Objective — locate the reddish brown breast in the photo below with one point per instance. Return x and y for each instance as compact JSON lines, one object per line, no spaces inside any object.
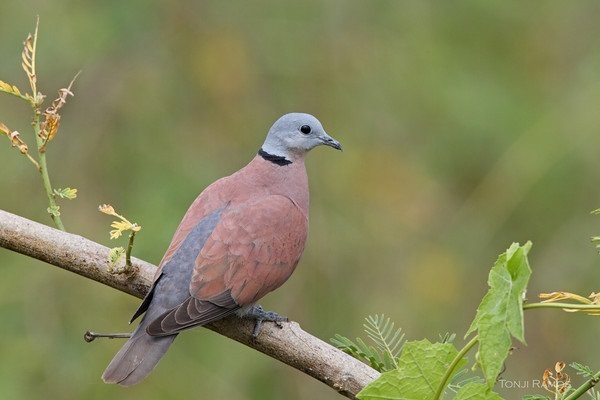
{"x":259,"y":179}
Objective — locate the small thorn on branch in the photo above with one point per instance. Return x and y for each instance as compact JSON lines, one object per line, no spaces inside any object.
{"x":91,"y":336}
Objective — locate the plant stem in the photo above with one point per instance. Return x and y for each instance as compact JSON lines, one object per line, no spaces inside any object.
{"x":36,"y":103}
{"x":585,"y":387}
{"x":566,"y":306}
{"x":43,"y":168}
{"x":129,"y":248}
{"x":448,"y":374}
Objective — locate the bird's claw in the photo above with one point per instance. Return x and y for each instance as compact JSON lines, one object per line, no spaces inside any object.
{"x":259,"y":315}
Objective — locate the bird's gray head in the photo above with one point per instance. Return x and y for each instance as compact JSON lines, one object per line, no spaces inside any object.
{"x":293,"y":135}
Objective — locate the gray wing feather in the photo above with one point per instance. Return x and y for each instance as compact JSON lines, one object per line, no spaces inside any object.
{"x":193,"y":312}
{"x":142,"y":351}
{"x":174,"y":281}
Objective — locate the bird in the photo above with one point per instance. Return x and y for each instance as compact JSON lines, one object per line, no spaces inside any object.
{"x":240,"y":239}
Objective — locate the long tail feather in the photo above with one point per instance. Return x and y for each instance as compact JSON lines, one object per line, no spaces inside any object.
{"x":137,"y":358}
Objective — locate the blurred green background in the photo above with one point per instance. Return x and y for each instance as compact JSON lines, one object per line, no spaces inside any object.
{"x":466,"y":126}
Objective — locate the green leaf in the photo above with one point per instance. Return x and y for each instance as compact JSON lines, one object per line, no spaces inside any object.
{"x":388,"y":343}
{"x":476,"y":391}
{"x":54,"y":210}
{"x":360,"y":352}
{"x":457,"y":381}
{"x":115,"y":255}
{"x":66,"y":193}
{"x":388,"y":340}
{"x":582,"y":369}
{"x":500,"y":313}
{"x":447,"y":337}
{"x":420,"y":370}
{"x":362,"y":346}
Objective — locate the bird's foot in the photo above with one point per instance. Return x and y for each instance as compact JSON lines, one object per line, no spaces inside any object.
{"x":259,"y":316}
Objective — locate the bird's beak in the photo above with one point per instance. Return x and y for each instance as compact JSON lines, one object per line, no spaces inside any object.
{"x":329,"y":141}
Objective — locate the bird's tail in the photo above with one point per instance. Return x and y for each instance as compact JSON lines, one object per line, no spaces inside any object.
{"x":137,"y":358}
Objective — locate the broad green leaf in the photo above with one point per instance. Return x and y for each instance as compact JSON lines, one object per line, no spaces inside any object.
{"x":500,"y":313}
{"x":421,"y":367}
{"x":476,"y":391}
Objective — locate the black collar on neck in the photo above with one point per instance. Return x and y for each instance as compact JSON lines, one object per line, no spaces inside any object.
{"x":279,"y":160}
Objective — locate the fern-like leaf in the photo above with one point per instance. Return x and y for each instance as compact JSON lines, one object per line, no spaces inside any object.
{"x":388,"y":344}
{"x":360,"y":351}
{"x":458,"y":381}
{"x":447,"y":337}
{"x":581,"y":369}
{"x":388,"y":340}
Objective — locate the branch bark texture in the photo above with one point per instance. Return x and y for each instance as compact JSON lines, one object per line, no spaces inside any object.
{"x":290,"y":344}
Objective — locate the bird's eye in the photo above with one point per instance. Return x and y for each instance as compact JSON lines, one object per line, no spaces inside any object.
{"x":305,"y":129}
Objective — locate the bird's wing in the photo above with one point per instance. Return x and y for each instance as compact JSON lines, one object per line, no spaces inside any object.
{"x":205,"y":204}
{"x":252,"y":250}
{"x":179,"y":260}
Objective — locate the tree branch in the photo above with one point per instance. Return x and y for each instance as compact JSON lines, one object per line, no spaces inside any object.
{"x":290,"y":344}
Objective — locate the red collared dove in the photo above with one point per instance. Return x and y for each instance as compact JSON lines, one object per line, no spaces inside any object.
{"x":239,"y":240}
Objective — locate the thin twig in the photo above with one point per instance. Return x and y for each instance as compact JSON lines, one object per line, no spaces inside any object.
{"x":590,"y":308}
{"x":129,"y":249}
{"x":91,"y":336}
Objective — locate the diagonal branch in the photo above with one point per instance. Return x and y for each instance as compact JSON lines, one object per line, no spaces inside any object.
{"x":290,"y":345}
